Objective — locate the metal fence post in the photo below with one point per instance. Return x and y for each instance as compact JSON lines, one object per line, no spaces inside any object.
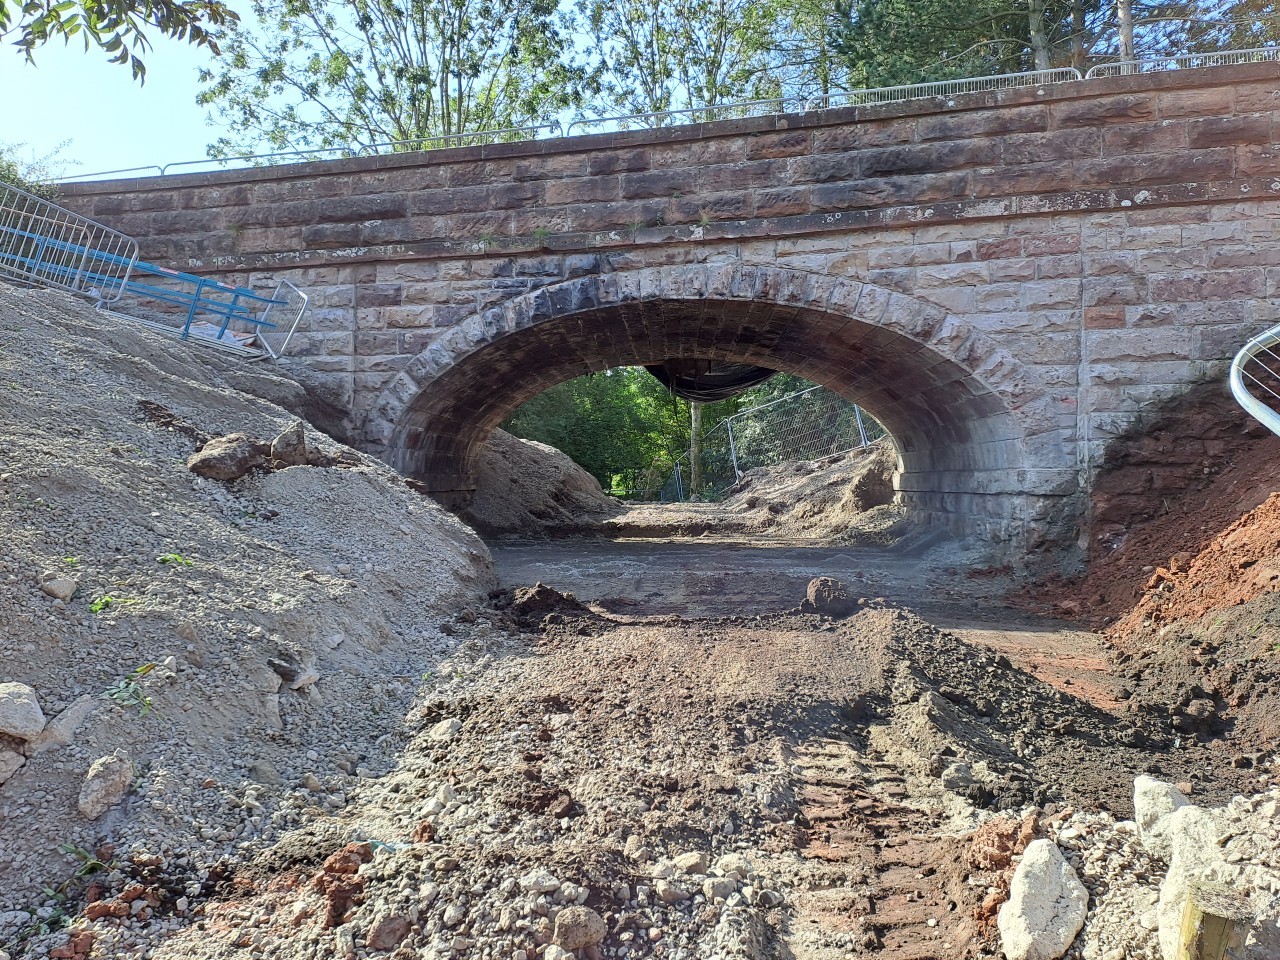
{"x":862,"y":429}
{"x":733,"y":449}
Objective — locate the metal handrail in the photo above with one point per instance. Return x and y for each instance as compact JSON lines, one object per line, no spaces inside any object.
{"x":642,"y":120}
{"x":866,"y":97}
{"x":1186,"y":61}
{"x":358,"y":150}
{"x":944,"y":88}
{"x":1261,"y":344}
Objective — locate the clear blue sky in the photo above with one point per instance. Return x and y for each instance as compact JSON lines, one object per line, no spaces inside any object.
{"x":110,"y":120}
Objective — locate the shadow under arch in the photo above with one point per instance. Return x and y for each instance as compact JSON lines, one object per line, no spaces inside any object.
{"x":973,"y":458}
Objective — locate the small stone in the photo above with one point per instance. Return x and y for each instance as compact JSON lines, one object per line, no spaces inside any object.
{"x":445,"y":730}
{"x":719,"y":888}
{"x":265,"y":773}
{"x":554,"y":952}
{"x":387,"y":931}
{"x":105,"y":785}
{"x":578,"y":927}
{"x":734,"y":865}
{"x":289,"y":449}
{"x":60,"y":588}
{"x":454,"y":914}
{"x":539,"y":881}
{"x":691,"y":863}
{"x":10,"y":763}
{"x":669,"y":892}
{"x":20,"y":713}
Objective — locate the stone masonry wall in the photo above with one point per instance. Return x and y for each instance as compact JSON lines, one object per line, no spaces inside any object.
{"x":1115,"y":239}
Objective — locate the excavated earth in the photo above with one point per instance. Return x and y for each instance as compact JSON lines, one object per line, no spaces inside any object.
{"x":356,"y":738}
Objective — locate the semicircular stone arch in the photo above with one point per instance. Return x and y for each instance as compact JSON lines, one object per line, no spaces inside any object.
{"x":978,"y":456}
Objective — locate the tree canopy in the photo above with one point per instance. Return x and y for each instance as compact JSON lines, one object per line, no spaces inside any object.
{"x":119,"y":28}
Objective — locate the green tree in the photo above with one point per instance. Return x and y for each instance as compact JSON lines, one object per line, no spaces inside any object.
{"x":116,"y":27}
{"x":657,"y":55}
{"x":321,"y":73}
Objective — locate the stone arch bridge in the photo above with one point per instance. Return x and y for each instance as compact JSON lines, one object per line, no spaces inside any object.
{"x":1004,"y":279}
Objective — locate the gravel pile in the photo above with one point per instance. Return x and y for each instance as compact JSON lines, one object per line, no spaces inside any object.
{"x":243,"y":653}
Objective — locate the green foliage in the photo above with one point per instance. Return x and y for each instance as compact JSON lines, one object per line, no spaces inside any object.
{"x":174,"y":558}
{"x":128,"y":692}
{"x":318,"y":73}
{"x":28,"y":175}
{"x":116,"y":27}
{"x":625,"y":428}
{"x":887,"y":42}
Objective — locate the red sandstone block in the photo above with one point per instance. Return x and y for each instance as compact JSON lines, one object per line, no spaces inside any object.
{"x":1144,"y":137}
{"x":983,"y":123}
{"x":781,"y":202}
{"x":825,"y":168}
{"x":1216,"y":285}
{"x":1154,"y":168}
{"x":999,"y":249}
{"x":928,"y":158}
{"x":583,"y":190}
{"x":853,"y":136}
{"x":1257,"y":159}
{"x":787,"y":143}
{"x":617,"y":161}
{"x":1050,"y":243}
{"x":1057,"y":145}
{"x":1249,"y":128}
{"x":1031,"y":178}
{"x":658,"y":183}
{"x":1205,"y":102}
{"x":1095,"y":110}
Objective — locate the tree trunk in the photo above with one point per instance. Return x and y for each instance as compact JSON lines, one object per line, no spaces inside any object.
{"x":695,"y":448}
{"x":1039,"y":42}
{"x":1078,"y":59}
{"x":1124,"y":22}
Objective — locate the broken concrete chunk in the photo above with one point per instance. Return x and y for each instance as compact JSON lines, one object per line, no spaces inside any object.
{"x":106,"y":784}
{"x":20,"y":713}
{"x":1046,"y":907}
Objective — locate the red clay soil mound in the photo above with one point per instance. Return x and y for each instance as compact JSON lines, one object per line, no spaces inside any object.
{"x":1166,"y":490}
{"x":1238,"y":565}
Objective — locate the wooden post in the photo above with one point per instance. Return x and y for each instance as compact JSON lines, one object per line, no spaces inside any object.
{"x":1215,"y":922}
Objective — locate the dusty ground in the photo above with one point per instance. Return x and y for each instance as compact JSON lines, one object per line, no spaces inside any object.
{"x":354,"y":746}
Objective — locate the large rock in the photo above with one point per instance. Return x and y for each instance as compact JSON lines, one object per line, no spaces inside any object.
{"x":20,"y":713}
{"x":1153,"y":800}
{"x":578,"y":927}
{"x":229,"y":457}
{"x":1190,"y":835}
{"x":829,"y":597}
{"x":1046,"y":907}
{"x":106,"y":784}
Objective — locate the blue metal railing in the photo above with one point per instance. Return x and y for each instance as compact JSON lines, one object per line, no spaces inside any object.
{"x":45,"y":244}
